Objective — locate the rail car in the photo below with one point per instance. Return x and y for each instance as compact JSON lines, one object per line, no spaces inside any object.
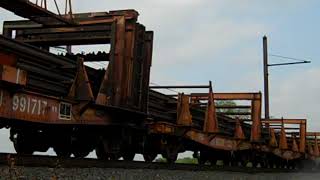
{"x":56,"y":101}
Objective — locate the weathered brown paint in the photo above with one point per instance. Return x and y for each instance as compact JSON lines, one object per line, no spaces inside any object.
{"x":302,"y":130}
{"x":295,"y":147}
{"x":7,"y":59}
{"x":285,"y":121}
{"x":28,"y":107}
{"x":302,"y":142}
{"x":13,"y":75}
{"x":316,"y":147}
{"x":256,"y":118}
{"x":273,"y":140}
{"x":283,"y":143}
{"x":227,"y":96}
{"x":313,"y":134}
{"x":81,"y":88}
{"x":211,"y":121}
{"x":119,"y":88}
{"x":184,"y":116}
{"x":238,"y":131}
{"x":146,"y":69}
{"x":310,"y":149}
{"x":255,"y":99}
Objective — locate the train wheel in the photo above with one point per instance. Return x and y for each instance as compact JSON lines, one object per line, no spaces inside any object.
{"x":205,"y":156}
{"x":113,"y":156}
{"x":226,"y":162}
{"x":80,"y":150}
{"x":256,"y":162}
{"x":202,"y":159}
{"x":170,"y":157}
{"x":280,"y":164}
{"x":244,"y":160}
{"x":80,"y":153}
{"x":61,"y":151}
{"x":213,"y":162}
{"x":291,"y":164}
{"x":101,"y":154}
{"x":63,"y":148}
{"x":227,"y":159}
{"x":171,"y":152}
{"x":270,"y":162}
{"x":128,"y":156}
{"x":149,"y":157}
{"x":21,"y":143}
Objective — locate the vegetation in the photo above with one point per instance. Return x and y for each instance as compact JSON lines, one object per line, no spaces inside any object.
{"x":231,"y":103}
{"x":187,"y":160}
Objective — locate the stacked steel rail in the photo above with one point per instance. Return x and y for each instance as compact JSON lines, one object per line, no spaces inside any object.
{"x":114,"y":111}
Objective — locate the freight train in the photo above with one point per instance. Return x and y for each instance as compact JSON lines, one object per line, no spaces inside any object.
{"x":56,"y":101}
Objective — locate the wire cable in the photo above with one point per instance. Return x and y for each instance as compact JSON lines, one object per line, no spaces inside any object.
{"x":286,"y":57}
{"x":165,"y":88}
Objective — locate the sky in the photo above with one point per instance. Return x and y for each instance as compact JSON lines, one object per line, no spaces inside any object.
{"x":221,"y":40}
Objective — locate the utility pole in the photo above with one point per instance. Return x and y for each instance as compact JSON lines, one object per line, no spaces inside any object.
{"x":266,"y":66}
{"x":266,"y":79}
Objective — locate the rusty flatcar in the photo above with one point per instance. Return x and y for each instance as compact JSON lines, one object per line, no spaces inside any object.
{"x":57,"y":101}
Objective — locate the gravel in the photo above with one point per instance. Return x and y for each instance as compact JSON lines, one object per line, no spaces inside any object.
{"x":26,"y":173}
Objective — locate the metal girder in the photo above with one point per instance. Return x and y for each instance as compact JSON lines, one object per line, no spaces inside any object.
{"x":181,"y":87}
{"x":130,"y":52}
{"x":286,"y":129}
{"x":236,"y":113}
{"x":91,"y":28}
{"x":86,"y":34}
{"x":302,"y":129}
{"x":284,"y":121}
{"x":227,"y":96}
{"x":29,"y":10}
{"x":313,"y":133}
{"x":233,"y":107}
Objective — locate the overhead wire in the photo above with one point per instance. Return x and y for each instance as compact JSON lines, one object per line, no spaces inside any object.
{"x":286,"y":57}
{"x":165,"y":88}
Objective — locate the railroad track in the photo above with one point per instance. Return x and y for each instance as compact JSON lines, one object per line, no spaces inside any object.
{"x":14,"y":160}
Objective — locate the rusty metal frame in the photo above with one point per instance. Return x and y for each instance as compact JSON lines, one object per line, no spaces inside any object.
{"x":283,"y":137}
{"x":255,"y":99}
{"x":27,"y":9}
{"x":313,"y":141}
{"x":131,"y":49}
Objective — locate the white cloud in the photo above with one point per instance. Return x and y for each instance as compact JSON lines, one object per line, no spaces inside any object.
{"x":298,"y":97}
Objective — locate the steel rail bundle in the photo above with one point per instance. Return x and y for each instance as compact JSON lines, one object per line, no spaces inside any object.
{"x":56,"y":101}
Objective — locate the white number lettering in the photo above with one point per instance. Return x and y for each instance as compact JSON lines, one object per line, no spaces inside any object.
{"x":45,"y":103}
{"x":34,"y":105}
{"x":15,"y":103}
{"x":28,"y":106}
{"x":23,"y":103}
{"x":39,"y":107}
